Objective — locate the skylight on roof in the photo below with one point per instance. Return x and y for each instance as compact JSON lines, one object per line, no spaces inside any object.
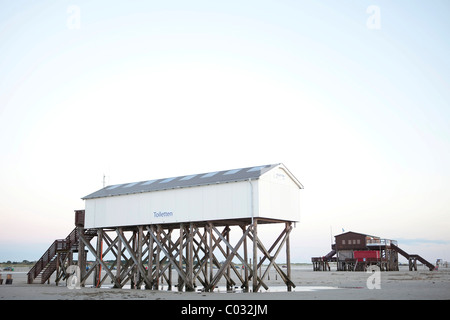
{"x":130,"y":184}
{"x":232,"y":171}
{"x":167,"y":180}
{"x":113,"y":187}
{"x":209,"y":174}
{"x":148,"y":182}
{"x":188,"y":177}
{"x":255,"y":169}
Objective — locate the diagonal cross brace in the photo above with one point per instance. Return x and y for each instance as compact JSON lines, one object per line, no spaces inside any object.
{"x":230,"y":257}
{"x":87,"y":244}
{"x":168,"y":256}
{"x":130,"y":251}
{"x":273,"y":258}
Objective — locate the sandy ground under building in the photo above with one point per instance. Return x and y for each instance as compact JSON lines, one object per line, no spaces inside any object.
{"x":310,"y":285}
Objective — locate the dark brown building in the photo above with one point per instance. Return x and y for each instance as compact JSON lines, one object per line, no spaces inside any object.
{"x":355,"y":241}
{"x":355,"y":251}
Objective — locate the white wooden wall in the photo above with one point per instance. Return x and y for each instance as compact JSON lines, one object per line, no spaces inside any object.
{"x":274,"y":195}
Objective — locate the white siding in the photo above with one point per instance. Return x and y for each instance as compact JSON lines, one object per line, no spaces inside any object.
{"x":211,"y":202}
{"x":279,"y":195}
{"x":276,"y":195}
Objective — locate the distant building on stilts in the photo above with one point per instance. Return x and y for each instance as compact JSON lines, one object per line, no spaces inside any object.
{"x":354,"y":251}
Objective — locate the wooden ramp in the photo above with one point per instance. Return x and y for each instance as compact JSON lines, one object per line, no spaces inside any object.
{"x":413,"y":258}
{"x":322,"y":263}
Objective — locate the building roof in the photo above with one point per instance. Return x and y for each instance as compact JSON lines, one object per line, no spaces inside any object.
{"x":358,"y":233}
{"x":192,"y":180}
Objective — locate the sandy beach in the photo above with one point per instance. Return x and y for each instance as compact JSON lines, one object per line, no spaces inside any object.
{"x":310,"y":285}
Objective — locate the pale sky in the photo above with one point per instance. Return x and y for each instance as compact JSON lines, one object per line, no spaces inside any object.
{"x":352,"y":96}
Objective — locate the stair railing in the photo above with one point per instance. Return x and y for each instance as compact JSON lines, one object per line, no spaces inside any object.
{"x":42,"y":262}
{"x":58,"y":245}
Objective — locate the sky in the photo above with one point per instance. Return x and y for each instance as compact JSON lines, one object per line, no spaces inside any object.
{"x":351,"y":95}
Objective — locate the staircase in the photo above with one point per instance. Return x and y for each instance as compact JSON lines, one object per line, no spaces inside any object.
{"x":413,"y":257}
{"x":329,"y":255}
{"x":47,"y":264}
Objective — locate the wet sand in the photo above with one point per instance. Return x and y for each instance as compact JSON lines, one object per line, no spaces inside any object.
{"x":310,"y":285}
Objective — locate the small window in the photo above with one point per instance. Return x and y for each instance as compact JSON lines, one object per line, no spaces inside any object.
{"x":343,"y":241}
{"x":358,"y":241}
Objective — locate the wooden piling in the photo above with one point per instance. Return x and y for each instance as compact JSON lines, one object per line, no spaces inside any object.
{"x":193,"y":253}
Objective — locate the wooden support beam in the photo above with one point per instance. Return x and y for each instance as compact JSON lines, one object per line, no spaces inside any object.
{"x":169,"y":280}
{"x":267,"y":253}
{"x":201,"y":267}
{"x":209,"y":259}
{"x":225,"y":234}
{"x":62,"y":262}
{"x":230,"y":257}
{"x":228,"y":275}
{"x":245,"y":282}
{"x":118,"y":283}
{"x":81,"y":256}
{"x":168,"y":246}
{"x":97,"y":271}
{"x":132,"y":254}
{"x":285,"y":277}
{"x":111,"y":244}
{"x":181,"y":279}
{"x":150,"y":259}
{"x":89,"y":246}
{"x":210,"y":255}
{"x":255,"y":255}
{"x":190,"y":259}
{"x":171,"y":259}
{"x":288,"y":254}
{"x":141,"y":274}
{"x":198,"y":246}
{"x":127,"y":268}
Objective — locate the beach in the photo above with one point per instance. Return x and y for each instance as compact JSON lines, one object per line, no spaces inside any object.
{"x":330,"y":285}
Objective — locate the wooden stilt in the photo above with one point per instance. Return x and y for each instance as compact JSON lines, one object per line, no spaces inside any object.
{"x":141,"y":271}
{"x":118,"y":264}
{"x":210,"y":253}
{"x":229,"y":283}
{"x":97,"y":268}
{"x":190,"y":260}
{"x":171,"y":247}
{"x":151,"y":258}
{"x":244,"y":265}
{"x":89,"y":246}
{"x":255,"y":255}
{"x":150,"y":254}
{"x":288,"y":255}
{"x":181,"y":280}
{"x":132,"y":254}
{"x":81,"y":256}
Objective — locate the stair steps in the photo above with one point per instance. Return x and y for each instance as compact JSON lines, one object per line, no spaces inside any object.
{"x":46,"y":265}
